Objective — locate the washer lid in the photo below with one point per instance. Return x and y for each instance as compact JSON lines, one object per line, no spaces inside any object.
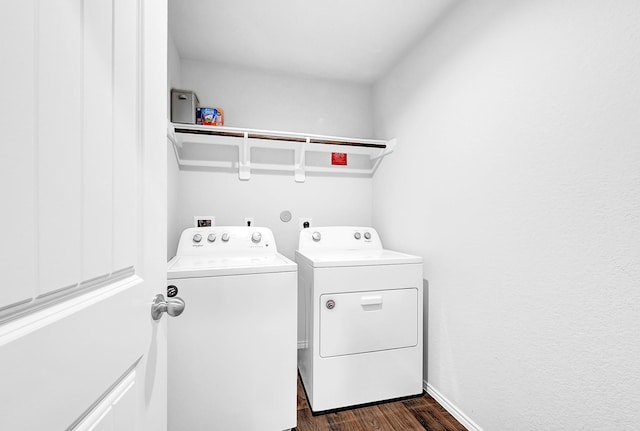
{"x":333,"y":258}
{"x":216,"y":266}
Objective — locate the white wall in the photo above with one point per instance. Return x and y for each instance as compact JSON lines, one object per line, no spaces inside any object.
{"x":257,"y":99}
{"x":266,"y":100}
{"x":329,"y":201}
{"x":173,"y":178}
{"x":517,"y":178}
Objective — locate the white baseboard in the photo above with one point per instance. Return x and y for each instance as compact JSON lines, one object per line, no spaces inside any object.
{"x":455,"y":411}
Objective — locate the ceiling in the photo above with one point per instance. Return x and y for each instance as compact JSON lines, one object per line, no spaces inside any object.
{"x":350,"y":40}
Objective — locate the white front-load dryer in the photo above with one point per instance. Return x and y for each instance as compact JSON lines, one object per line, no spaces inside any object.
{"x":361,"y":313}
{"x":232,"y":352}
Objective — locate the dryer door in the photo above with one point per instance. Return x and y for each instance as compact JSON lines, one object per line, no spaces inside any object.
{"x":361,"y":322}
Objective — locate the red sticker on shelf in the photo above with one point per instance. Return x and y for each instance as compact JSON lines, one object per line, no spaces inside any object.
{"x":339,"y":159}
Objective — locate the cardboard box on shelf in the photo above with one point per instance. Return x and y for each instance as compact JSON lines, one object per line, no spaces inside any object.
{"x":210,"y":116}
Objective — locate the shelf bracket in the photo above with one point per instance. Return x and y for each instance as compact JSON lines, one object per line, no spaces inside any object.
{"x":299,"y":156}
{"x":176,"y":144}
{"x":173,"y":138}
{"x":391,"y":145}
{"x":244,"y":160}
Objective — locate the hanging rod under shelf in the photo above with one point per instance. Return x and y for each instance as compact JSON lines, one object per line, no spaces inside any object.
{"x":277,"y":136}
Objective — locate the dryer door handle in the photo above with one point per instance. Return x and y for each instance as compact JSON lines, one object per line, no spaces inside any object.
{"x":371,"y":300}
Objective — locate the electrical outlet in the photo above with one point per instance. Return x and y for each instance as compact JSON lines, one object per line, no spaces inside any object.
{"x":248,"y":221}
{"x":304,"y":222}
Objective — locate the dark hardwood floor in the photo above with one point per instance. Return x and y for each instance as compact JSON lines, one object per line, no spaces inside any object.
{"x":423,"y":413}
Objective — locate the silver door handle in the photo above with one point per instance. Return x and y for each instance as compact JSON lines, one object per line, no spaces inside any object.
{"x":172,"y":306}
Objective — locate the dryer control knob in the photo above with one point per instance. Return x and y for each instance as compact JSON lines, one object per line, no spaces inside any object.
{"x":256,"y":237}
{"x":367,"y":235}
{"x":357,"y":235}
{"x":197,"y":238}
{"x":211,"y":237}
{"x":316,"y":236}
{"x":225,"y":237}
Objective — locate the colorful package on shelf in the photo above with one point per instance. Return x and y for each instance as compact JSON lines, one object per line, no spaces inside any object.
{"x":210,"y":116}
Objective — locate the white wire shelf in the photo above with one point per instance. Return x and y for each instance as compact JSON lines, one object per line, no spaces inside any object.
{"x":367,"y":152}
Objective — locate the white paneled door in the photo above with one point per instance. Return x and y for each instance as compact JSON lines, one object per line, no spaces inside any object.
{"x":83,"y":220}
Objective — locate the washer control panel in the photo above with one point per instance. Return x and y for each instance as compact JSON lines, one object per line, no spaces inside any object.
{"x":226,"y":240}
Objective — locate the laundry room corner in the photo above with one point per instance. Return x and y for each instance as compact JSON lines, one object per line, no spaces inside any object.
{"x":401,"y":216}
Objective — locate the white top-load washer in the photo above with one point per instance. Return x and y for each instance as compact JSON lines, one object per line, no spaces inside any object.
{"x":361,"y":313}
{"x":232,"y":352}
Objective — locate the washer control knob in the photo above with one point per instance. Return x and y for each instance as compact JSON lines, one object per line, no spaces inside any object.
{"x":316,"y":236}
{"x":331,"y":304}
{"x":256,"y":237}
{"x":225,"y":237}
{"x":367,"y":235}
{"x":357,"y":235}
{"x":211,"y":237}
{"x":197,"y":238}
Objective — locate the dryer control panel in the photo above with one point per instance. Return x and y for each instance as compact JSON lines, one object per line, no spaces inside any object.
{"x":339,"y":238}
{"x":228,"y":240}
